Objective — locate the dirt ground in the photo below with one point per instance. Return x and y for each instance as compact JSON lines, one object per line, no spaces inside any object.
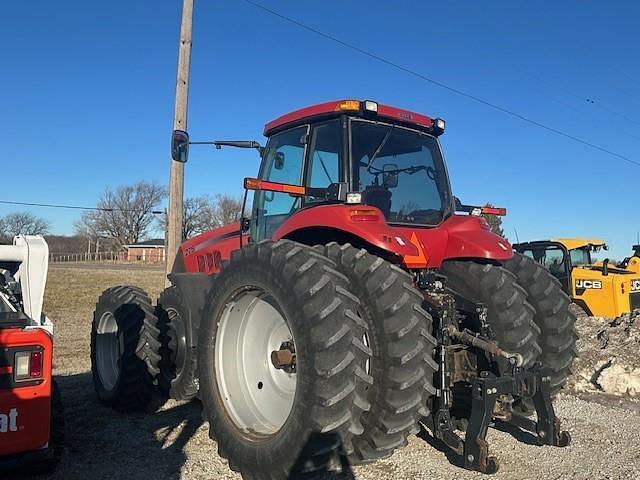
{"x":174,"y":444}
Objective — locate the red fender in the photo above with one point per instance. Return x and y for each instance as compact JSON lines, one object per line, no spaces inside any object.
{"x":362,"y":221}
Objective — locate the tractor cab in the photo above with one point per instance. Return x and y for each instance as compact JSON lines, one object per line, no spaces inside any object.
{"x":355,"y":172}
{"x":353,"y":152}
{"x":562,"y":255}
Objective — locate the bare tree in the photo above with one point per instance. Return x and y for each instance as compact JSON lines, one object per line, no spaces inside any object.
{"x":205,"y":213}
{"x":22,"y":223}
{"x":125,"y":215}
{"x":228,"y":210}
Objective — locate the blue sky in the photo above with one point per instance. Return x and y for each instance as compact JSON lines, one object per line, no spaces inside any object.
{"x":87,"y":97}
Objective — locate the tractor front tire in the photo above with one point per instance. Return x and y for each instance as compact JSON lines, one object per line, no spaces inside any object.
{"x":402,"y":364}
{"x":124,"y":348}
{"x":178,"y":377}
{"x":554,"y":317}
{"x":279,"y":360}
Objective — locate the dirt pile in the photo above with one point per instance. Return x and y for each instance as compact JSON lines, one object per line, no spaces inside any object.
{"x":608,"y":355}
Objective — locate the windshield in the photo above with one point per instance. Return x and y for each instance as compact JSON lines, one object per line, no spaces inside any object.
{"x":400,"y":171}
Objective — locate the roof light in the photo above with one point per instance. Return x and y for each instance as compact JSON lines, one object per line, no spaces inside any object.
{"x":371,"y":106}
{"x":347,"y":105}
{"x":438,"y":126}
{"x":354,"y":197}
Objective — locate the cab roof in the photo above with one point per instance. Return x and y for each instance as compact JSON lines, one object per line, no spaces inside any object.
{"x":575,"y":243}
{"x":365,"y":108}
{"x":568,"y":243}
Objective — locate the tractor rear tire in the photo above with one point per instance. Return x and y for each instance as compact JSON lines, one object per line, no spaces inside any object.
{"x":509,"y":314}
{"x":556,"y":320}
{"x":402,"y":363}
{"x":124,"y":348}
{"x":178,"y":376}
{"x":273,"y":422}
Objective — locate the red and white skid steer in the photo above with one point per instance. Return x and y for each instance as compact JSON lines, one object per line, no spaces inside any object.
{"x":31,"y":430}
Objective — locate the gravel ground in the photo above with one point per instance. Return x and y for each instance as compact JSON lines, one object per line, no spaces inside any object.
{"x":173,"y":443}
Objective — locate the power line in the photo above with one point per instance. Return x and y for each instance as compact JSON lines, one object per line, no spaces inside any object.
{"x":77,"y":207}
{"x":441,"y":84}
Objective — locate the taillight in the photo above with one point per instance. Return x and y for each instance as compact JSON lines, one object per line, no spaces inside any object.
{"x":364,"y":215}
{"x":35,"y":365}
{"x":28,"y":365}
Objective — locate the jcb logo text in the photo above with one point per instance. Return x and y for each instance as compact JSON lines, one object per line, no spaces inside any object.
{"x":593,"y":284}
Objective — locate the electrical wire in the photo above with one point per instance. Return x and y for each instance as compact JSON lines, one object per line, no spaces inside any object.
{"x":77,"y":207}
{"x":440,"y":84}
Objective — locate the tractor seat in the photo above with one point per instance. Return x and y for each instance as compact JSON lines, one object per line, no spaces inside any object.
{"x":378,"y":196}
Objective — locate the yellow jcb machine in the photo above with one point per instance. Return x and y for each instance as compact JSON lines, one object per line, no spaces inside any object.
{"x":599,"y":288}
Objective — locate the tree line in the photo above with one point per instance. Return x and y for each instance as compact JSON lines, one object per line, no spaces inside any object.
{"x":131,"y":213}
{"x":125,"y":215}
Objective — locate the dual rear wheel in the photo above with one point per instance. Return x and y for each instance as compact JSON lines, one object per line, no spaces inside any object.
{"x":308,"y":357}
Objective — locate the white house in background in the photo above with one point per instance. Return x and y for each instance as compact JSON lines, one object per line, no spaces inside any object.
{"x":146,"y":251}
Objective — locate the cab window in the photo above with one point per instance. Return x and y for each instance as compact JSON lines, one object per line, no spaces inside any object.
{"x":324,"y":156}
{"x":580,"y":256}
{"x":282,"y":161}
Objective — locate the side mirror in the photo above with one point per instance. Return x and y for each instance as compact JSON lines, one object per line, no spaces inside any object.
{"x":180,"y":146}
{"x":390,"y":175}
{"x":278,"y":161}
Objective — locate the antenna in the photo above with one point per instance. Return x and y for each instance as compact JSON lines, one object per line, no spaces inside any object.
{"x":516,"y":232}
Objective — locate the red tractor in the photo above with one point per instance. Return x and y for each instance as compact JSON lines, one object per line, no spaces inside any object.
{"x":31,"y":429}
{"x":351,"y":307}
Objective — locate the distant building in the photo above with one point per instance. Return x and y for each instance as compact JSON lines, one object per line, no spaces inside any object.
{"x":146,"y":251}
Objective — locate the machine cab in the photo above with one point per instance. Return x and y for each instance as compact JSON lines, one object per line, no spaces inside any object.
{"x":382,"y":156}
{"x":561,"y":256}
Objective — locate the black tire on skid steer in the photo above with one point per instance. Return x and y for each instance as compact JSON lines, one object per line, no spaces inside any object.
{"x":124,"y":348}
{"x":319,"y":415}
{"x":56,"y":432}
{"x":402,"y":345}
{"x":554,"y":317}
{"x":178,"y":376}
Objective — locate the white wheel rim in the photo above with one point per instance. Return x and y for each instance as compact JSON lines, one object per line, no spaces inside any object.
{"x":257,"y":396}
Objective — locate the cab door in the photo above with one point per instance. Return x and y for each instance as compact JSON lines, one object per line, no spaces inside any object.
{"x":282,"y":162}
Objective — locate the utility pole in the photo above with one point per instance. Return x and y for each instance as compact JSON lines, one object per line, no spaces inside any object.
{"x":176,"y":176}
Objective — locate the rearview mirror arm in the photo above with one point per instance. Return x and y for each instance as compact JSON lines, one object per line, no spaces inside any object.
{"x":232,"y":143}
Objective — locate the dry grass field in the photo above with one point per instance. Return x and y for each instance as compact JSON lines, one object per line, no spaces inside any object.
{"x":173,"y":443}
